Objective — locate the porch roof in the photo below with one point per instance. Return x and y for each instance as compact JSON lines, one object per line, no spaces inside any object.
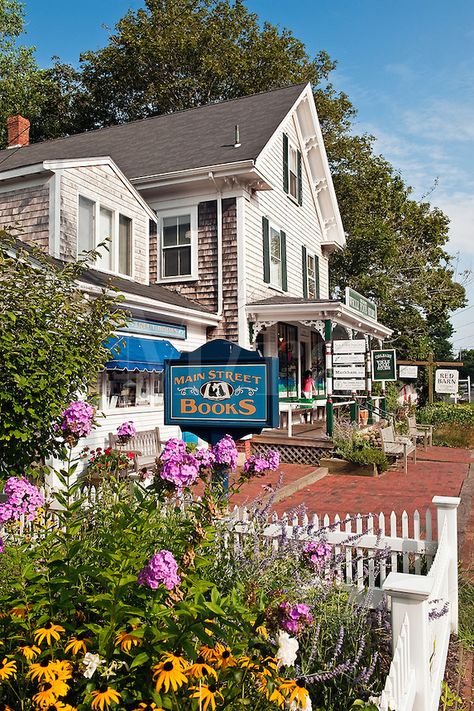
{"x":310,"y":311}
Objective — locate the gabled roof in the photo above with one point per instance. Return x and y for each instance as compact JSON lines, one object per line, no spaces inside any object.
{"x":194,"y":138}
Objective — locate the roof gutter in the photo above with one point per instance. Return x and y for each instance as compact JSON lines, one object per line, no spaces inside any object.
{"x":220,"y":273}
{"x":222,"y":170}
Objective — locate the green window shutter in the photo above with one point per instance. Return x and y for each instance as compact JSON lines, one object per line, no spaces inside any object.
{"x":266,"y":250}
{"x":316,"y":268}
{"x":304,"y":264}
{"x":300,"y":179}
{"x":285,"y":163}
{"x":284,"y":276}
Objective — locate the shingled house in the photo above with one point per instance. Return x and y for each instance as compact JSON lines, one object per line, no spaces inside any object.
{"x":245,"y":218}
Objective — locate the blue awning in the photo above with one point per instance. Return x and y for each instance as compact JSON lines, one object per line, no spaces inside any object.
{"x":135,"y":353}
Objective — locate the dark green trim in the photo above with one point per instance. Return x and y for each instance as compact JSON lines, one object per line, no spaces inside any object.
{"x":266,"y":250}
{"x":285,"y":164}
{"x":304,"y":264}
{"x":284,"y":274}
{"x":327,"y":329}
{"x":300,"y":179}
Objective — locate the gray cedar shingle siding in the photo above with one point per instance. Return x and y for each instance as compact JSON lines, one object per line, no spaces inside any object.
{"x":198,"y":137}
{"x":26,"y":210}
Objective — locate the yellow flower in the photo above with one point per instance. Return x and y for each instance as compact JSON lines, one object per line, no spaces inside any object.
{"x":7,"y":669}
{"x":262,"y":631}
{"x":200,"y":669}
{"x":62,"y":668}
{"x":20,"y":612}
{"x":104,"y":697}
{"x":30,"y":652}
{"x":77,"y":644}
{"x":43,"y":671}
{"x":208,"y":653}
{"x":127,"y":640}
{"x":224,"y":657}
{"x":273,"y":693}
{"x":49,"y":693}
{"x":142,"y":706}
{"x":294,"y":690}
{"x":60,"y":706}
{"x":169,"y":672}
{"x":207,"y":694}
{"x":49,"y":632}
{"x":250,"y":663}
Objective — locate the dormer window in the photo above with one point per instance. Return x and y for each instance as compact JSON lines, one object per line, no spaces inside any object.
{"x":97,"y":224}
{"x":292,"y":172}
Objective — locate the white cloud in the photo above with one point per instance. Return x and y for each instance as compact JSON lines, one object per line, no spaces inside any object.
{"x":441,"y":120}
{"x":460,"y":209}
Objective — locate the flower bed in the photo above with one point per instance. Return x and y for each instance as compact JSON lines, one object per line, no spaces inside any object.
{"x":132,"y":605}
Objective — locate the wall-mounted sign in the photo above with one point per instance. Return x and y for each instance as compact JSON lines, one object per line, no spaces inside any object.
{"x":384,"y":365}
{"x":348,"y":358}
{"x":220,"y":389}
{"x":355,"y":346}
{"x":155,"y":328}
{"x":348,"y":371}
{"x":447,"y":381}
{"x":408,"y":372}
{"x":351,"y":385}
{"x":359,"y":303}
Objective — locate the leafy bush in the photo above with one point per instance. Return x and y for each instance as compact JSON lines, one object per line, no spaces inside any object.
{"x":358,"y":447}
{"x":369,"y":455}
{"x":443,"y":412}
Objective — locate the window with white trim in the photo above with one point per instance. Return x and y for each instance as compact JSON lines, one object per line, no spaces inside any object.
{"x":293,"y":172}
{"x":123,"y":389}
{"x":178,"y":248}
{"x":311,"y":277}
{"x":275,"y":258}
{"x":98,"y":224}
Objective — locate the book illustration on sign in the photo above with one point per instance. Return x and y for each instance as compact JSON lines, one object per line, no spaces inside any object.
{"x":216,"y":390}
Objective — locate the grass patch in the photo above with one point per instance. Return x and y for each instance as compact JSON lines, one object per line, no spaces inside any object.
{"x":454,"y":435}
{"x":466,"y":608}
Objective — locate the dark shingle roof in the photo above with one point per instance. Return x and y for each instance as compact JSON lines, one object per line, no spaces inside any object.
{"x":193,"y":138}
{"x":151,"y":291}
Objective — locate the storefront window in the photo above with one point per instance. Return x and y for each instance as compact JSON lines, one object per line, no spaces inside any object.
{"x":131,"y":389}
{"x":288,"y":360}
{"x":318,"y":362}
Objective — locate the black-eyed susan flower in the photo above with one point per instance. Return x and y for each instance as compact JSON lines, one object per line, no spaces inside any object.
{"x":42,"y":671}
{"x":20,"y":612}
{"x":49,"y":693}
{"x":224,"y":657}
{"x":7,"y":669}
{"x":104,"y":697}
{"x":127,"y":640}
{"x":78,"y":644}
{"x":61,"y":706}
{"x":294,"y":690}
{"x":270,"y":689}
{"x":207,"y":694}
{"x":5,"y":707}
{"x":143,"y":706}
{"x":49,"y":632}
{"x":30,"y":652}
{"x":251,"y":663}
{"x":62,"y":669}
{"x":170,"y":672}
{"x":200,"y":669}
{"x":208,"y":653}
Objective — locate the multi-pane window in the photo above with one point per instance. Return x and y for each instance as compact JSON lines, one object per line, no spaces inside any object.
{"x":132,"y":389}
{"x":176,"y":246}
{"x":293,"y":172}
{"x":311,"y":277}
{"x":275,"y":257}
{"x":97,"y":225}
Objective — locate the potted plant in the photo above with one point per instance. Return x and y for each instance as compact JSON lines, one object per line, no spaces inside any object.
{"x":355,"y":452}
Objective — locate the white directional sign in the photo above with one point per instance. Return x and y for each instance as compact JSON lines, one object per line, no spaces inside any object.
{"x":349,"y":371}
{"x":447,"y":381}
{"x":349,"y":385}
{"x":408,"y":372}
{"x":348,"y":358}
{"x":355,"y":346}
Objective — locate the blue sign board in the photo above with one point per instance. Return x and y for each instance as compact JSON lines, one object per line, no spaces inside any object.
{"x":155,"y":328}
{"x":220,"y":389}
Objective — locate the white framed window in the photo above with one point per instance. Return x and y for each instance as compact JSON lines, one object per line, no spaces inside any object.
{"x":178,"y":245}
{"x":311,"y":277}
{"x":276,"y":270}
{"x":293,"y":172}
{"x":123,"y":389}
{"x":99,"y":223}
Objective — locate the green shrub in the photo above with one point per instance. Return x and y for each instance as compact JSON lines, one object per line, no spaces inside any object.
{"x":442,"y":412}
{"x":369,"y":455}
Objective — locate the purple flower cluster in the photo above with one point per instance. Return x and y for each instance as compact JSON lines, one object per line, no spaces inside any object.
{"x":181,"y":470}
{"x":2,"y":546}
{"x":258,"y":465}
{"x":24,"y":499}
{"x":77,"y":419}
{"x":205,"y":457}
{"x":162,"y":568}
{"x":225,"y":452}
{"x":294,"y":618}
{"x":173,"y":448}
{"x":126,"y":430}
{"x":318,"y":553}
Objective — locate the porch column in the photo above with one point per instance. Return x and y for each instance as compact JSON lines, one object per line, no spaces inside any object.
{"x":368,"y":371}
{"x":329,"y":405}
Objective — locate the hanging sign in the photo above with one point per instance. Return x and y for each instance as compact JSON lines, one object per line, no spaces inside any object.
{"x":384,"y":365}
{"x":348,"y":371}
{"x":359,"y":303}
{"x":355,"y":346}
{"x":408,"y":372}
{"x":219,"y":389}
{"x":447,"y":381}
{"x":350,"y":385}
{"x":348,"y":358}
{"x":155,"y":328}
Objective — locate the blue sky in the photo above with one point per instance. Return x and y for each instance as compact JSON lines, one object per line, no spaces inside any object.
{"x":407,"y":66}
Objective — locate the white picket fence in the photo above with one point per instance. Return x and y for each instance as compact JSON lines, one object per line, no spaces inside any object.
{"x":423,"y":597}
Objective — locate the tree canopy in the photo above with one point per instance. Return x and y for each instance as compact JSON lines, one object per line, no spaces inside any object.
{"x":176,"y":54}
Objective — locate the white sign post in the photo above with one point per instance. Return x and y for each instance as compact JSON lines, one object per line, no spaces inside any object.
{"x":408,"y":372}
{"x":447,"y":381}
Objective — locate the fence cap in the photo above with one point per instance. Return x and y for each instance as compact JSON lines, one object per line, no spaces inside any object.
{"x":407,"y":586}
{"x":447,"y":502}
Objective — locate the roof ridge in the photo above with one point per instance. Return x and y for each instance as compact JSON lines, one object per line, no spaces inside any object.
{"x":159,"y":116}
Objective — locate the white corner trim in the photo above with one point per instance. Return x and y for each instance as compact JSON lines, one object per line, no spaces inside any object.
{"x":55,"y":214}
{"x":243,"y":330}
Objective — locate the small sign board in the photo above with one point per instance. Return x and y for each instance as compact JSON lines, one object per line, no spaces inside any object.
{"x":219,"y":389}
{"x":408,"y":372}
{"x":384,"y":365}
{"x":360,"y":303}
{"x":446,"y":381}
{"x":349,"y":371}
{"x":350,"y":385}
{"x":155,"y":328}
{"x":349,"y":346}
{"x":348,"y":358}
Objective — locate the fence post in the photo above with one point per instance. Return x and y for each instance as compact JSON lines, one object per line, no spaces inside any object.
{"x":353,"y":407}
{"x":447,"y":509}
{"x":329,"y":417}
{"x":409,"y":596}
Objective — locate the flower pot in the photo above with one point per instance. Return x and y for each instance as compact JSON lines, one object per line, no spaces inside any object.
{"x":342,"y":466}
{"x":363,"y":417}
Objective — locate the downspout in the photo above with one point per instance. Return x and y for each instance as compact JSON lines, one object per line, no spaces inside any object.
{"x":220,"y":275}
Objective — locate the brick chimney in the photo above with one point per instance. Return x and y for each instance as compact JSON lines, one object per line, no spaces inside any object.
{"x":18,"y":131}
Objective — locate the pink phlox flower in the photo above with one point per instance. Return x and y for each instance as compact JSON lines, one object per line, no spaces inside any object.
{"x":181,"y":470}
{"x":225,"y":452}
{"x":126,"y":429}
{"x":2,"y":546}
{"x":294,"y":618}
{"x":172,"y":448}
{"x":162,"y":568}
{"x":24,"y":499}
{"x":318,"y":553}
{"x":205,"y":457}
{"x":78,"y":419}
{"x":256,"y":465}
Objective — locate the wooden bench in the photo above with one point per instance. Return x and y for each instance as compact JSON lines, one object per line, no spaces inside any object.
{"x":146,"y":445}
{"x":417,"y":431}
{"x":397,"y":446}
